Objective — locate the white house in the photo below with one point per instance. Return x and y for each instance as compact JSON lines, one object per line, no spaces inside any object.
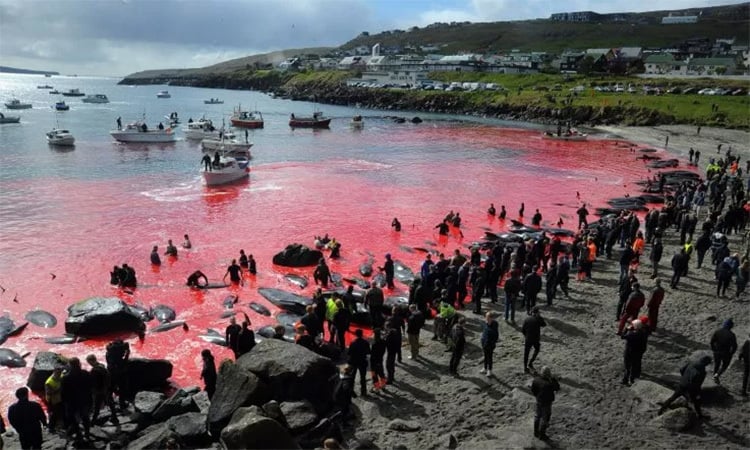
{"x":664,"y":64}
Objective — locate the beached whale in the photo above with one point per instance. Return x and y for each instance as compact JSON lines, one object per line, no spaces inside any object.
{"x":11,"y":358}
{"x":260,"y":309}
{"x":64,"y":339}
{"x":406,"y":248}
{"x":365,"y":269}
{"x":379,"y":280}
{"x":230,"y":300}
{"x":402,"y":272}
{"x":213,"y":337}
{"x":297,"y":255}
{"x":288,"y":319}
{"x":337,"y":279}
{"x":168,"y":326}
{"x":163,"y":313}
{"x":286,"y":300}
{"x":363,"y":284}
{"x":141,"y":311}
{"x":41,"y":318}
{"x":297,"y":280}
{"x":390,"y":302}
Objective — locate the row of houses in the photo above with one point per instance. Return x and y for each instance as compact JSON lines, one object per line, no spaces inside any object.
{"x":693,"y":57}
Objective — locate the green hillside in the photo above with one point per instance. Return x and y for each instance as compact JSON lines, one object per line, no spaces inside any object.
{"x":627,"y":29}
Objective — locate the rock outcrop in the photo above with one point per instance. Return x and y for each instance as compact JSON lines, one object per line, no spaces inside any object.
{"x":44,"y":364}
{"x":235,"y":387}
{"x":250,"y":429}
{"x":102,"y":315}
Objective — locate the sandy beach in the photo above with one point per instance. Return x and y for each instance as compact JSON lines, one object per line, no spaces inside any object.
{"x":579,"y":344}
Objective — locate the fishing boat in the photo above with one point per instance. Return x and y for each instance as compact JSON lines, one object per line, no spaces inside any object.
{"x":205,"y":129}
{"x":226,"y":167}
{"x":61,"y":106}
{"x":44,"y":86}
{"x":357,"y":122}
{"x":96,"y":98}
{"x":15,"y":103}
{"x":316,"y":121}
{"x":163,"y":94}
{"x":62,"y":138}
{"x":225,"y":145}
{"x":73,"y":93}
{"x":247,"y":119}
{"x":9,"y":119}
{"x":139,"y":132}
{"x":569,"y":135}
{"x":55,"y":92}
{"x":213,"y":101}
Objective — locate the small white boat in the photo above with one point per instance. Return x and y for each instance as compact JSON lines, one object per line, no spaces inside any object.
{"x":225,"y":145}
{"x":61,"y":106}
{"x":139,"y":132}
{"x":205,"y":129}
{"x":9,"y":119}
{"x":357,"y":122}
{"x":569,"y":135}
{"x":213,"y":101}
{"x":96,"y":98}
{"x":17,"y":104}
{"x":60,"y":137}
{"x":163,"y":94}
{"x":226,"y":168}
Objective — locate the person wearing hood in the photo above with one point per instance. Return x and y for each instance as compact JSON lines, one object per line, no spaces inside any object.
{"x":723,"y":344}
{"x":724,"y":271}
{"x":657,"y":297}
{"x":636,"y":341}
{"x":388,"y":268}
{"x":692,"y":376}
{"x":544,"y":387}
{"x":490,"y":336}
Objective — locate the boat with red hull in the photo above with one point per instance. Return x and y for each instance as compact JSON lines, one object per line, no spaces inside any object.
{"x":247,"y":119}
{"x":316,"y":121}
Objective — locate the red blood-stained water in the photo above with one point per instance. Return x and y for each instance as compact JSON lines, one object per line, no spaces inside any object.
{"x":78,"y":229}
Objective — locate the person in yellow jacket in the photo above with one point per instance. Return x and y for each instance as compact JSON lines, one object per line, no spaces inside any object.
{"x":331,"y":310}
{"x":53,"y":397}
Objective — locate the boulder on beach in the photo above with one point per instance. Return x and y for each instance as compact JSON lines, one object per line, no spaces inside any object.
{"x":249,"y":426}
{"x":44,"y":364}
{"x":235,"y":387}
{"x":676,"y":420}
{"x":148,"y":374}
{"x":297,"y":255}
{"x":181,"y":402}
{"x":299,"y":416}
{"x":292,"y":372}
{"x":102,"y":315}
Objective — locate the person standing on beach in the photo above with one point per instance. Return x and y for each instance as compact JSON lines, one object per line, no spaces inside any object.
{"x":544,"y":387}
{"x":723,"y":344}
{"x":27,"y":418}
{"x":745,"y":358}
{"x":697,"y":157}
{"x":414,"y":324}
{"x":490,"y":336}
{"x":231,"y":335}
{"x":458,"y":344}
{"x":393,"y":347}
{"x":512,"y":288}
{"x":636,"y":342}
{"x":208,"y":373}
{"x":633,"y":306}
{"x":582,"y":216}
{"x":655,"y":256}
{"x":359,"y":349}
{"x":692,"y":152}
{"x":388,"y":268}
{"x":657,"y":297}
{"x":531,"y":286}
{"x":532,"y":331}
{"x":102,"y":389}
{"x":679,"y":264}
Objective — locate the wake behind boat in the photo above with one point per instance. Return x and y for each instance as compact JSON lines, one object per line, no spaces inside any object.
{"x":139,"y":132}
{"x":316,"y":121}
{"x":226,"y":167}
{"x":62,"y":138}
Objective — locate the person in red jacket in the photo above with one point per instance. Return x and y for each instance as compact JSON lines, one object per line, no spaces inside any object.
{"x":632,"y":307}
{"x":657,"y":296}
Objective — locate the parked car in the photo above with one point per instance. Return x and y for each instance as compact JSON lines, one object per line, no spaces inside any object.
{"x":706,"y":91}
{"x":579,"y":88}
{"x":689,"y":90}
{"x":619,"y":88}
{"x":674,"y":90}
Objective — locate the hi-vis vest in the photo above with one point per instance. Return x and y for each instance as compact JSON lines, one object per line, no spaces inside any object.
{"x":53,"y":390}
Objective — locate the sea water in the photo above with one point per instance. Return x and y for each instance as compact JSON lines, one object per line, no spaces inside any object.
{"x":77,"y":212}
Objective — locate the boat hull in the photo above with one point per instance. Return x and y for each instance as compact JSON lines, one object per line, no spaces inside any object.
{"x":212,"y":103}
{"x":73,"y":94}
{"x":247,"y":123}
{"x":197,"y":134}
{"x":309,"y":123}
{"x":95,"y":100}
{"x":11,"y":119}
{"x":19,"y":106}
{"x":62,"y":141}
{"x":220,"y":177}
{"x":209,"y":145}
{"x":143,"y":136}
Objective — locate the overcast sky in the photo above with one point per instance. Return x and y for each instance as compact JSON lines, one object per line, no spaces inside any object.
{"x":118,"y":37}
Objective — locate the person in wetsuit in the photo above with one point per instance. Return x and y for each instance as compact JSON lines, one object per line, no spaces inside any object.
{"x":491,"y":209}
{"x":396,"y":225}
{"x":235,"y":273}
{"x":194,"y":279}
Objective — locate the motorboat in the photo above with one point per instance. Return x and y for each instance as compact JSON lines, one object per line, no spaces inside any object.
{"x":55,"y":92}
{"x":316,"y":121}
{"x":96,"y":98}
{"x":73,"y":93}
{"x":247,"y":119}
{"x":44,"y":86}
{"x":9,"y":119}
{"x":163,"y":94}
{"x":226,"y":167}
{"x":173,"y":119}
{"x":205,"y":129}
{"x":225,"y":145}
{"x":60,"y":137}
{"x":61,"y":106}
{"x":17,"y":104}
{"x":139,"y":132}
{"x":569,"y":135}
{"x":357,"y":122}
{"x":213,"y":101}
